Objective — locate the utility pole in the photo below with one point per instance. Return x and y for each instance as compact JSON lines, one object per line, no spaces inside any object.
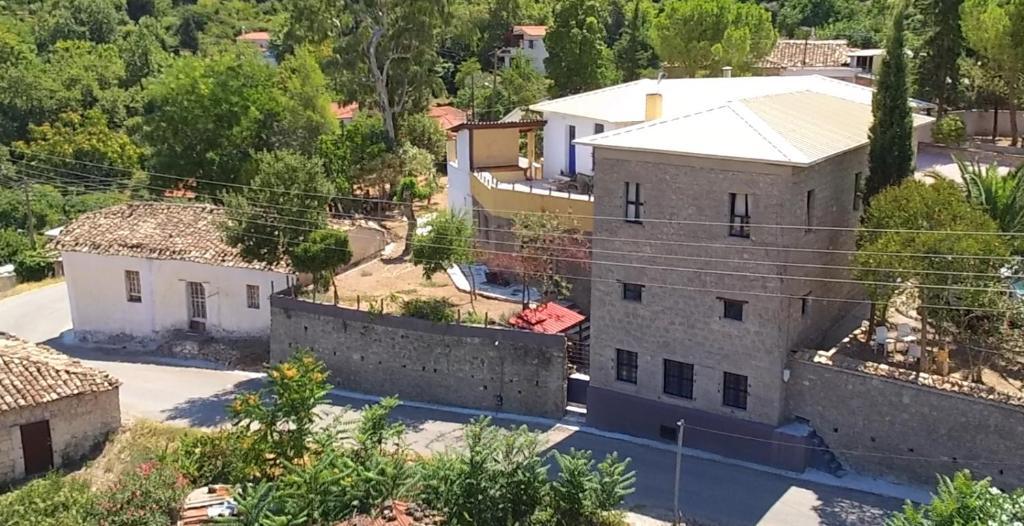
{"x":29,"y":222}
{"x":681,"y":424}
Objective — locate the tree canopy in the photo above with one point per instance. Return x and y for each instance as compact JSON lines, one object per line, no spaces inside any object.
{"x":578,"y":59}
{"x":891,"y":149}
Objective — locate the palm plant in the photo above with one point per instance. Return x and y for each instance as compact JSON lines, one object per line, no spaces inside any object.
{"x":1000,"y":195}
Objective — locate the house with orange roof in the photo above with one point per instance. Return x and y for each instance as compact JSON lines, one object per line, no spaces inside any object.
{"x":260,"y":39}
{"x":528,"y":41}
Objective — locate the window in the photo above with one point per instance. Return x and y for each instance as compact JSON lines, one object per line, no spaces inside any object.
{"x":625,"y":366}
{"x":678,"y":379}
{"x":252,"y":296}
{"x":598,"y":128}
{"x":530,"y":43}
{"x":732,"y":309}
{"x":634,"y":206}
{"x":632,"y":292}
{"x":858,"y":192}
{"x":734,"y":390}
{"x":739,"y":215}
{"x":809,"y":211}
{"x":196,"y":293}
{"x":133,"y":286}
{"x":805,"y":304}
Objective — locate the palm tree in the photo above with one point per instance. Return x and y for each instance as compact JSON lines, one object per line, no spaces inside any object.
{"x":1000,"y":195}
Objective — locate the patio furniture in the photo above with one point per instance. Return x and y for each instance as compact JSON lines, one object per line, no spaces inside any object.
{"x":905,"y":334}
{"x":913,"y":353}
{"x":882,"y":339}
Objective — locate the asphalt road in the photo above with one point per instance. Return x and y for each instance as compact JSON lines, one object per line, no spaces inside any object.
{"x":195,"y":394}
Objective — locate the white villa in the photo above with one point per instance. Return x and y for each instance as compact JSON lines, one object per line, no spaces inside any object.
{"x":528,"y":40}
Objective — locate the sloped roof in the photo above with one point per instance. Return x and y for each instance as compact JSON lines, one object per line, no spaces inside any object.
{"x":530,"y":31}
{"x":344,"y":112}
{"x":797,"y":128}
{"x":807,"y":53}
{"x":254,"y":36}
{"x":33,"y":374}
{"x":447,"y":117}
{"x":183,"y":232}
{"x":548,"y":318}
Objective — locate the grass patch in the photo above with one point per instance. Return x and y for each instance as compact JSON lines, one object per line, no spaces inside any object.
{"x":142,"y":441}
{"x":22,"y":288}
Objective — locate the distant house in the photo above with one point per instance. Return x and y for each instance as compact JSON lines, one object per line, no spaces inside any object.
{"x":867,"y":62}
{"x":447,"y":117}
{"x":260,"y":39}
{"x":528,"y":40}
{"x":829,"y":58}
{"x":53,"y":409}
{"x":344,"y":112}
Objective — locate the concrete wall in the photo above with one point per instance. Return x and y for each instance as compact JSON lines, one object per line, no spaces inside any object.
{"x":556,"y":143}
{"x":494,"y":147}
{"x":889,"y":418}
{"x":476,"y":367}
{"x":979,"y":122}
{"x":77,"y":424}
{"x":459,"y":197}
{"x":506,"y":200}
{"x":100,"y":310}
{"x":366,"y":242}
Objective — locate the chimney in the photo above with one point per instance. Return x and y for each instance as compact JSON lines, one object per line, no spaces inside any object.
{"x":727,"y":72}
{"x":652,"y":109}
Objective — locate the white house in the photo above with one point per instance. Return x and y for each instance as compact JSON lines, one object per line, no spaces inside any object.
{"x":528,"y":40}
{"x":604,"y":110}
{"x":260,"y":39}
{"x":141,"y":271}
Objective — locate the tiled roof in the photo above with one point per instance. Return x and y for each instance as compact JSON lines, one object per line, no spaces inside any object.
{"x":347,"y":111}
{"x":447,"y":117}
{"x":549,"y":318}
{"x":807,"y":53}
{"x":530,"y":31}
{"x":183,"y":232}
{"x":33,"y":374}
{"x":254,"y":36}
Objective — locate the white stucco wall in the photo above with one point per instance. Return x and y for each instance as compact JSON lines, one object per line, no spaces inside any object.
{"x":459,"y":197}
{"x":537,"y":54}
{"x":99,"y":306}
{"x":556,"y":143}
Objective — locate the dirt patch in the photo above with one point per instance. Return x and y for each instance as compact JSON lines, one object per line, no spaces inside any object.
{"x":136,"y":442}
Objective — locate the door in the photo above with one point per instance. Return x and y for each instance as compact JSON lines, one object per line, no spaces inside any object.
{"x":37,"y":447}
{"x":572,"y":150}
{"x":598,"y":128}
{"x":196,"y":306}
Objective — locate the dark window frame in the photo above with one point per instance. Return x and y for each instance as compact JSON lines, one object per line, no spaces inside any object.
{"x":735,"y":390}
{"x":677,"y":378}
{"x":598,"y":128}
{"x":727,"y":302}
{"x":809,"y":211}
{"x":739,"y":224}
{"x":133,"y":286}
{"x":627,"y":366}
{"x":636,"y":201}
{"x":858,"y":192}
{"x":252,"y":296}
{"x":633,"y":292}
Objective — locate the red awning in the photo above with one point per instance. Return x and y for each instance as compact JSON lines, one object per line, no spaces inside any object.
{"x":549,"y":318}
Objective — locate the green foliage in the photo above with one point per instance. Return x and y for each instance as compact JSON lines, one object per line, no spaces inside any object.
{"x":962,"y":501}
{"x":11,"y":245}
{"x":78,"y":204}
{"x":634,"y":54}
{"x":797,"y":14}
{"x":937,"y":64}
{"x":949,"y":130}
{"x":995,"y":30}
{"x":582,"y":495}
{"x":150,"y":495}
{"x":522,"y":84}
{"x":287,"y":199}
{"x":578,"y":59}
{"x":93,"y":20}
{"x":699,"y":37}
{"x":449,"y":242}
{"x":33,"y":265}
{"x":305,"y":113}
{"x":53,"y":500}
{"x":321,"y":254}
{"x":421,"y":131}
{"x":1000,"y":195}
{"x":47,"y":207}
{"x":145,"y":50}
{"x":891,"y":152}
{"x":501,"y":15}
{"x":437,"y":310}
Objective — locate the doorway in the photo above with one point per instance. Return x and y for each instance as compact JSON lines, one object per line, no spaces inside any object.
{"x":196,"y":306}
{"x":572,"y":150}
{"x":37,"y":447}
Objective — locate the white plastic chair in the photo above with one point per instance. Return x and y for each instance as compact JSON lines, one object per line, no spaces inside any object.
{"x":905,"y":334}
{"x":882,"y":338}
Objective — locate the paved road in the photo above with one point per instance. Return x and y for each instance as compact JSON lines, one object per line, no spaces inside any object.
{"x":722,"y":493}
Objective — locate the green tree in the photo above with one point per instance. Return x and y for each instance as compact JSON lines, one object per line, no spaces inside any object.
{"x":578,"y":59}
{"x":937,"y":72}
{"x":634,"y":54}
{"x":962,"y":500}
{"x":522,"y":84}
{"x":479,"y":93}
{"x":797,"y":14}
{"x":995,"y":30}
{"x":47,"y":205}
{"x":286,"y":200}
{"x":891,"y":149}
{"x":449,"y":241}
{"x":321,"y":254}
{"x":501,"y":15}
{"x":422,"y":131}
{"x":190,"y":25}
{"x":12,"y":244}
{"x":144,"y":50}
{"x":347,"y":151}
{"x":93,"y":20}
{"x":1000,"y":195}
{"x":699,"y":37}
{"x":305,"y":114}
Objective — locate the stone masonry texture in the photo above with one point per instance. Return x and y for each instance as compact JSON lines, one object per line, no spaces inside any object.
{"x":475,"y":367}
{"x":77,"y":425}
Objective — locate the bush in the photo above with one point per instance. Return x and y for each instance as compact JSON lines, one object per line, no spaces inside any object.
{"x":54,"y":500}
{"x":963,"y":500}
{"x":149,"y":496}
{"x":33,"y":265}
{"x":11,"y":245}
{"x":950,"y":131}
{"x":438,"y":310}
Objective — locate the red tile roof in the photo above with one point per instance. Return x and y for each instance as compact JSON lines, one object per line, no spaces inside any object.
{"x":530,"y":31}
{"x":32,"y":374}
{"x":549,"y":318}
{"x":347,"y":111}
{"x":254,"y":36}
{"x":447,"y":117}
{"x":807,"y":53}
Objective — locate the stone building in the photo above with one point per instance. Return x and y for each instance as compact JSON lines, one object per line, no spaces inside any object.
{"x":722,"y":262}
{"x":53,"y":409}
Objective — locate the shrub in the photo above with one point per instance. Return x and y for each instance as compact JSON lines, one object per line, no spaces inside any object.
{"x":438,"y":310}
{"x":33,"y":265}
{"x":11,"y":245}
{"x":148,"y":496}
{"x":950,"y":131}
{"x":963,"y":500}
{"x":54,"y":500}
{"x":211,"y":458}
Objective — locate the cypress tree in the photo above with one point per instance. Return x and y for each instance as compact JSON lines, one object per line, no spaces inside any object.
{"x":891,"y":153}
{"x":938,"y":68}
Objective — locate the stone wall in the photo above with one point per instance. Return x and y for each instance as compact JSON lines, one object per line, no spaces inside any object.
{"x":476,"y":367}
{"x":907,"y":426}
{"x":77,"y":425}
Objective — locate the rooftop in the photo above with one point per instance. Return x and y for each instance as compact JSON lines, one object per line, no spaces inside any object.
{"x":548,"y":318}
{"x":447,"y":117}
{"x":807,"y":53}
{"x":33,"y":374}
{"x":530,"y":31}
{"x":347,"y":111}
{"x":183,"y":232}
{"x":254,"y":36}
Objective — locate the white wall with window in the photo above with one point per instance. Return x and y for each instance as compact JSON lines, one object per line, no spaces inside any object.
{"x":143,"y":298}
{"x":557,"y":133}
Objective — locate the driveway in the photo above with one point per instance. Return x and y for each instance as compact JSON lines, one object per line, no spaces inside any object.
{"x":195,"y":394}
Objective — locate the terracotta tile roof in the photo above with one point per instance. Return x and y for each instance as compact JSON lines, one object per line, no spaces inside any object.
{"x":347,"y":111}
{"x":549,"y":318}
{"x":183,"y":232}
{"x":33,"y":374}
{"x":807,"y":53}
{"x":447,"y":117}
{"x":254,"y":36}
{"x":530,"y":31}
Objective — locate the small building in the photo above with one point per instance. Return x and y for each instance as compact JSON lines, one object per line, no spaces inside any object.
{"x":828,"y":58}
{"x":141,"y":271}
{"x":868,"y":63}
{"x":53,"y":409}
{"x":344,"y":112}
{"x":529,"y":41}
{"x":260,"y":39}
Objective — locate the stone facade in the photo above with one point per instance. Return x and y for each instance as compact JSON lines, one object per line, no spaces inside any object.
{"x":681,"y":314}
{"x":476,"y":367}
{"x":907,"y":426}
{"x":77,"y":425}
